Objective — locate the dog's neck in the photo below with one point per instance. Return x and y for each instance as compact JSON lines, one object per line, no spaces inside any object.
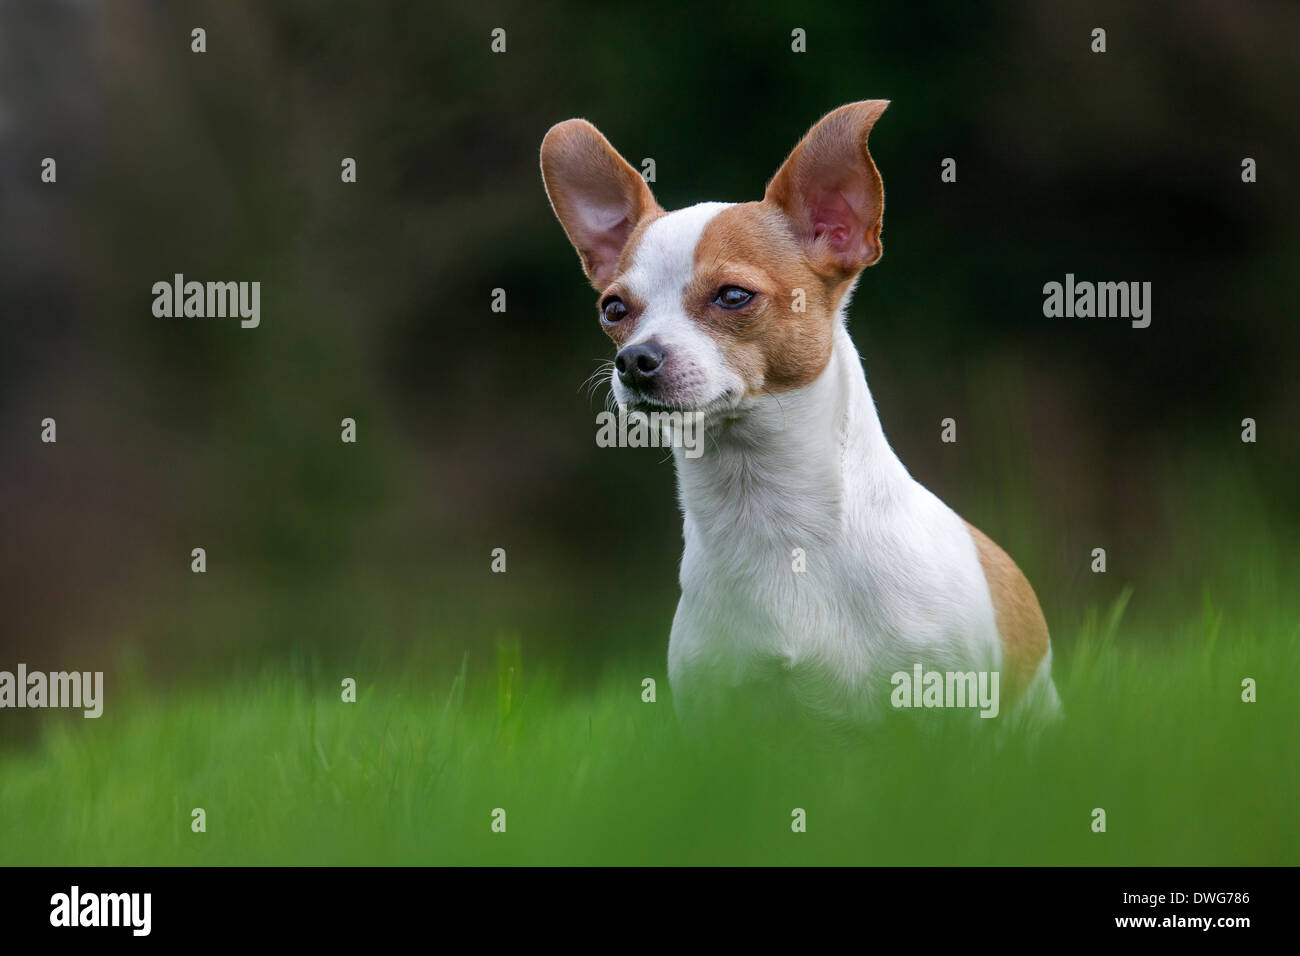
{"x":778,"y":468}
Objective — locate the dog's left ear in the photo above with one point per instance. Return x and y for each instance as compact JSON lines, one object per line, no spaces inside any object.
{"x":831,"y":192}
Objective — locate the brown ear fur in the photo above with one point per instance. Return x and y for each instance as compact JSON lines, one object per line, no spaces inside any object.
{"x":597,"y":196}
{"x":830,"y":189}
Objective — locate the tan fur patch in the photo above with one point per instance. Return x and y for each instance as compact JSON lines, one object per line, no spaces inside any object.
{"x":770,"y":345}
{"x":1020,"y":620}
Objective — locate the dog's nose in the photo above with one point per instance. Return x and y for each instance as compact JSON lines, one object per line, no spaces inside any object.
{"x":638,"y":364}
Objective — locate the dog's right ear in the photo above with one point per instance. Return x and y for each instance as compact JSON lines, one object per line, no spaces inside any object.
{"x":597,"y":196}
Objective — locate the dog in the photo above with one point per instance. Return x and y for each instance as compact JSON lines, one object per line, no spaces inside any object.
{"x":815,"y":567}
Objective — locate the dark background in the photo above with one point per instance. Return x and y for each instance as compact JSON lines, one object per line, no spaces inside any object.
{"x":474,"y":432}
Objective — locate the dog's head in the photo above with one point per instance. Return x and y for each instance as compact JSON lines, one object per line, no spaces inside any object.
{"x":718,"y":303}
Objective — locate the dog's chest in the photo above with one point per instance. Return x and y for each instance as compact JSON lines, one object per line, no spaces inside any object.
{"x":828,"y":611}
{"x":759,"y":607}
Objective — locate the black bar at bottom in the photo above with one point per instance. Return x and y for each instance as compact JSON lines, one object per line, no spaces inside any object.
{"x":929,"y":906}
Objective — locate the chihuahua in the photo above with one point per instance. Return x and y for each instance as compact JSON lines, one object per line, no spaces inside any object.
{"x":816,"y":568}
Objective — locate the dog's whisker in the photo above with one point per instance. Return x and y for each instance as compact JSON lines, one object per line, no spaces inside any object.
{"x":596,"y":378}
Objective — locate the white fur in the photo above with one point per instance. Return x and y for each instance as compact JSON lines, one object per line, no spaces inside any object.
{"x":664,"y":263}
{"x":893,"y":576}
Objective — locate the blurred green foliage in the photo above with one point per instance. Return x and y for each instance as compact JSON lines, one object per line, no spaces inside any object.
{"x":473,"y":432}
{"x":412,"y":773}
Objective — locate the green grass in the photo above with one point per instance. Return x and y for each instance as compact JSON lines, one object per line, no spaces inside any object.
{"x":1156,"y":734}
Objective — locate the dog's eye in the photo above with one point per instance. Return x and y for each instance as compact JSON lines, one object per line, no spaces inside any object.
{"x":732,"y":297}
{"x":612,"y":310}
